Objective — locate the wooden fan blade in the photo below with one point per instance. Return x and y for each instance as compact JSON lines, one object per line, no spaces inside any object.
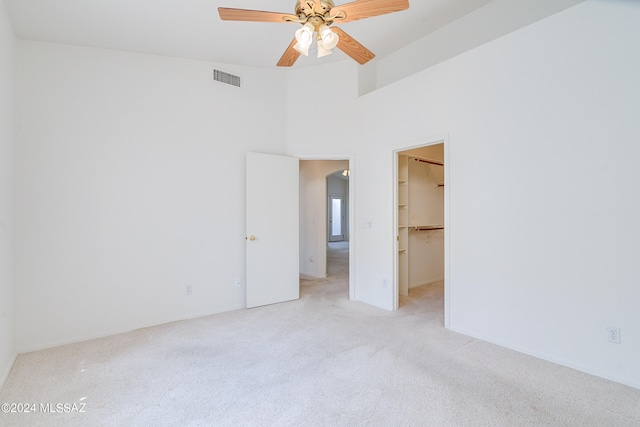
{"x":361,"y":9}
{"x":230,"y":14}
{"x":351,"y":47}
{"x":290,"y":56}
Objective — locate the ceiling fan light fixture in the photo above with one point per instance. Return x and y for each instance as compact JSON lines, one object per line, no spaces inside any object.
{"x":316,"y":16}
{"x":304,"y":37}
{"x":322,"y":50}
{"x":329,"y":38}
{"x":302,"y":49}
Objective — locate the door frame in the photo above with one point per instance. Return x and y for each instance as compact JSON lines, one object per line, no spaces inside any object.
{"x":351,"y":213}
{"x":439,"y":139}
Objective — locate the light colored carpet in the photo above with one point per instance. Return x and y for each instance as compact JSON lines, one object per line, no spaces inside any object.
{"x":321,"y":360}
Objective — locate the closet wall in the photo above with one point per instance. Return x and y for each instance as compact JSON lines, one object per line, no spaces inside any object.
{"x":420,"y":217}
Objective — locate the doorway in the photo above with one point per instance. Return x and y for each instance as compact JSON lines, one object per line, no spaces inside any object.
{"x":336,"y":217}
{"x":421,"y":221}
{"x":337,"y":204}
{"x":325,"y":220}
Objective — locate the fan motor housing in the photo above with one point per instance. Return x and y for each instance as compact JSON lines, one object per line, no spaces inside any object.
{"x":306,"y":7}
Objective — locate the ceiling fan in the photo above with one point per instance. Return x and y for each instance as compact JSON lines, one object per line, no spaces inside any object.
{"x":316,"y":16}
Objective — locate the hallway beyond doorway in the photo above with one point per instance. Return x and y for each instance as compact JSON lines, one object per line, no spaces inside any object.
{"x":338,"y":259}
{"x":337,"y":269}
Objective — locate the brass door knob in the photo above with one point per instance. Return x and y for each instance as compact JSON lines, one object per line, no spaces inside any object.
{"x":252,"y":237}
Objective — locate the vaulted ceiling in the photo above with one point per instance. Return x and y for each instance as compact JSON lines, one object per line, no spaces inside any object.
{"x":192,"y":28}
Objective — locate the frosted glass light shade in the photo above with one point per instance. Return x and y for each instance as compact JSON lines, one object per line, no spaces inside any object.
{"x":329,"y":38}
{"x":322,"y":51}
{"x":304,"y":37}
{"x":302,"y":49}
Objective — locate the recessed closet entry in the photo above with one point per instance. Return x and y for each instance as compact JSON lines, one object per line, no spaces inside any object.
{"x":420,"y":234}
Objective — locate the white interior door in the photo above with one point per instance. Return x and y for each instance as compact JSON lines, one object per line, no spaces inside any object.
{"x":272,"y":273}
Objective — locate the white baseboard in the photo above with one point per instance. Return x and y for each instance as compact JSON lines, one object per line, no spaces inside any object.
{"x":7,"y":370}
{"x":104,"y":334}
{"x":428,"y":282}
{"x":307,"y":277}
{"x":549,"y":358}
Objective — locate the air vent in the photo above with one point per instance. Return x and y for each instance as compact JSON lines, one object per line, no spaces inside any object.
{"x":230,"y":79}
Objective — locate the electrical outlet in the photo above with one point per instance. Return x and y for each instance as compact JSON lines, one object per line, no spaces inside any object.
{"x":613,"y":334}
{"x":188,"y":290}
{"x":238,"y":282}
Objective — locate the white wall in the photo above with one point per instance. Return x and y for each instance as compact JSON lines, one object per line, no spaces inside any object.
{"x":543,"y":182}
{"x":495,"y":19}
{"x":426,"y":199}
{"x":7,"y":139}
{"x":313,"y":214}
{"x":130,"y":186}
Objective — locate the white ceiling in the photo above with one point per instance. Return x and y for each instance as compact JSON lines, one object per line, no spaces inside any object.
{"x":193,"y":29}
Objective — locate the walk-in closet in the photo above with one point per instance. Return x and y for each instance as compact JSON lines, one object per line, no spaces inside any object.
{"x":420,"y":233}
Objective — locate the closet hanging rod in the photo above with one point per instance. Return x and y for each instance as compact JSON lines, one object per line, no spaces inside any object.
{"x":428,"y":228}
{"x":430,"y":161}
